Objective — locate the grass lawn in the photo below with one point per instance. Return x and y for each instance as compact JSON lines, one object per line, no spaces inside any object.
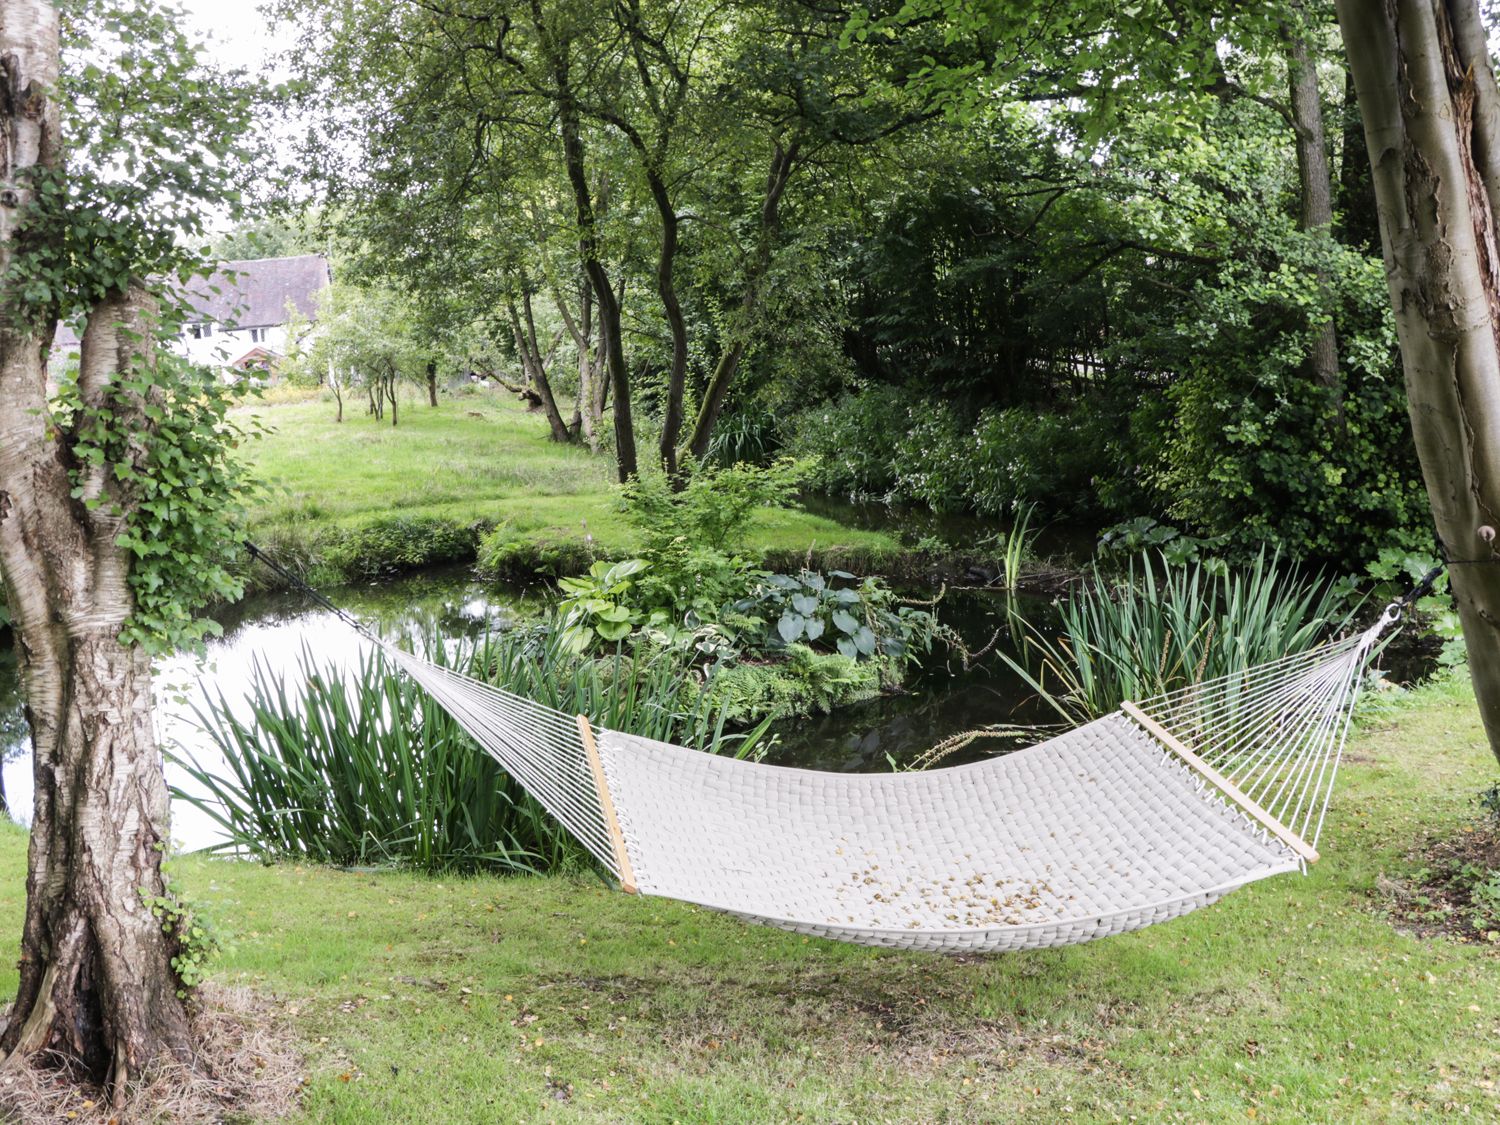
{"x":553,"y":999}
{"x":474,"y":457}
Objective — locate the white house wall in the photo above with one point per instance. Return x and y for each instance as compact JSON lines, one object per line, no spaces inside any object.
{"x":224,"y":347}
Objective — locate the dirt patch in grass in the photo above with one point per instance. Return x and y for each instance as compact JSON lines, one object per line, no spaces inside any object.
{"x":918,"y":1026}
{"x":1453,"y":889}
{"x":247,"y":1069}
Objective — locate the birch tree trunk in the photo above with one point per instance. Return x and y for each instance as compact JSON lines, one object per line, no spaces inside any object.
{"x":96,"y":987}
{"x":1426,"y":89}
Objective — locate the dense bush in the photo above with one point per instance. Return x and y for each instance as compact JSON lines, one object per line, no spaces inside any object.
{"x":507,"y":554}
{"x":802,"y":682}
{"x":761,"y":637}
{"x":397,"y":543}
{"x":889,"y":444}
{"x":849,"y":441}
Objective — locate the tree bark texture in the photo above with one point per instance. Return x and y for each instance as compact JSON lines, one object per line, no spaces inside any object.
{"x":1427,"y":92}
{"x":96,"y":985}
{"x":432,"y":390}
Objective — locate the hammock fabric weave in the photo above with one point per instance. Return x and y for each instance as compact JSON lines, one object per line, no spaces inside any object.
{"x":1138,"y":817}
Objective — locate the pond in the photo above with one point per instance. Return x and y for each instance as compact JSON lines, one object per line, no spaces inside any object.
{"x":274,"y":628}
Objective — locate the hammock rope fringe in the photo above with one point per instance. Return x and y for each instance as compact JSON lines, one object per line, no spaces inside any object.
{"x":1155,"y":810}
{"x":1150,"y":812}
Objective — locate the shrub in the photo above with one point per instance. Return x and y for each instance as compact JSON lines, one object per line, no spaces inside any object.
{"x":506,"y":554}
{"x":803,"y":683}
{"x":712,"y":508}
{"x":600,"y":606}
{"x":889,"y":444}
{"x":1021,"y":457}
{"x":849,"y":441}
{"x":396,"y":543}
{"x":933,"y":459}
{"x":858,"y":619}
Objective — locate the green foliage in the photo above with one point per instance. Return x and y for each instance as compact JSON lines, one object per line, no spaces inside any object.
{"x":1391,"y":575}
{"x":599,"y":605}
{"x":848,"y":442}
{"x":150,"y":448}
{"x":366,"y":768}
{"x":193,"y":940}
{"x":712,"y":508}
{"x":163,"y":429}
{"x":859,"y":619}
{"x":1165,"y":626}
{"x":362,"y":770}
{"x":510,"y":555}
{"x":1489,"y":803}
{"x":396,"y":543}
{"x":1259,"y":449}
{"x":746,"y":437}
{"x":802,"y":682}
{"x":1143,"y":534}
{"x":899,"y":446}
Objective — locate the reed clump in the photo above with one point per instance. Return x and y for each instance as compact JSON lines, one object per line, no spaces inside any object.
{"x":357,"y":766}
{"x":1162,"y":626}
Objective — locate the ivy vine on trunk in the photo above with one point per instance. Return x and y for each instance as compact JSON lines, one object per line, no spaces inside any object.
{"x":117,"y":497}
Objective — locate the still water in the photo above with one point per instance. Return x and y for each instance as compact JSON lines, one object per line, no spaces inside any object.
{"x":942,"y":700}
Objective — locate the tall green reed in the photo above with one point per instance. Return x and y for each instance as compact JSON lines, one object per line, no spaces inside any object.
{"x":1163,"y":626}
{"x":364,"y":768}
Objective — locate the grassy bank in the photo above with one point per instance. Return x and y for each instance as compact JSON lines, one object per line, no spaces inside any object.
{"x":362,"y":492}
{"x":553,"y":999}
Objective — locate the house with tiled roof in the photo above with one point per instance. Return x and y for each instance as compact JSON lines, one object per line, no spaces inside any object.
{"x":241,"y":313}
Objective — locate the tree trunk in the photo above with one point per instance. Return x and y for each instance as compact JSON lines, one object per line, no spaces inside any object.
{"x":96,"y":983}
{"x":666,"y":287}
{"x":432,"y":382}
{"x":782,"y":162}
{"x":1316,"y":182}
{"x":575,"y":161}
{"x":1428,"y":96}
{"x":580,"y":330}
{"x":534,"y":364}
{"x":390,"y":390}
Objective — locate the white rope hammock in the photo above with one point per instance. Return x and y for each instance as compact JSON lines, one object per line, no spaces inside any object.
{"x":1138,"y":817}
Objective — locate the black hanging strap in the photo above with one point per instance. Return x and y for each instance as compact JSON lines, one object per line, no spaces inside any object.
{"x":298,"y":584}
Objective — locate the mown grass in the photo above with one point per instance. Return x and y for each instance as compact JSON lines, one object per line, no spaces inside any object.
{"x":521,"y":999}
{"x":474,"y":458}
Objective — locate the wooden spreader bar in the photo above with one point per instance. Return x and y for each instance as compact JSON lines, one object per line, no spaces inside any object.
{"x":607,"y":806}
{"x":1222,"y":783}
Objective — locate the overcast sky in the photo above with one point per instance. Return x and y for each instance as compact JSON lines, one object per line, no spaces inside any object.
{"x":235,"y":31}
